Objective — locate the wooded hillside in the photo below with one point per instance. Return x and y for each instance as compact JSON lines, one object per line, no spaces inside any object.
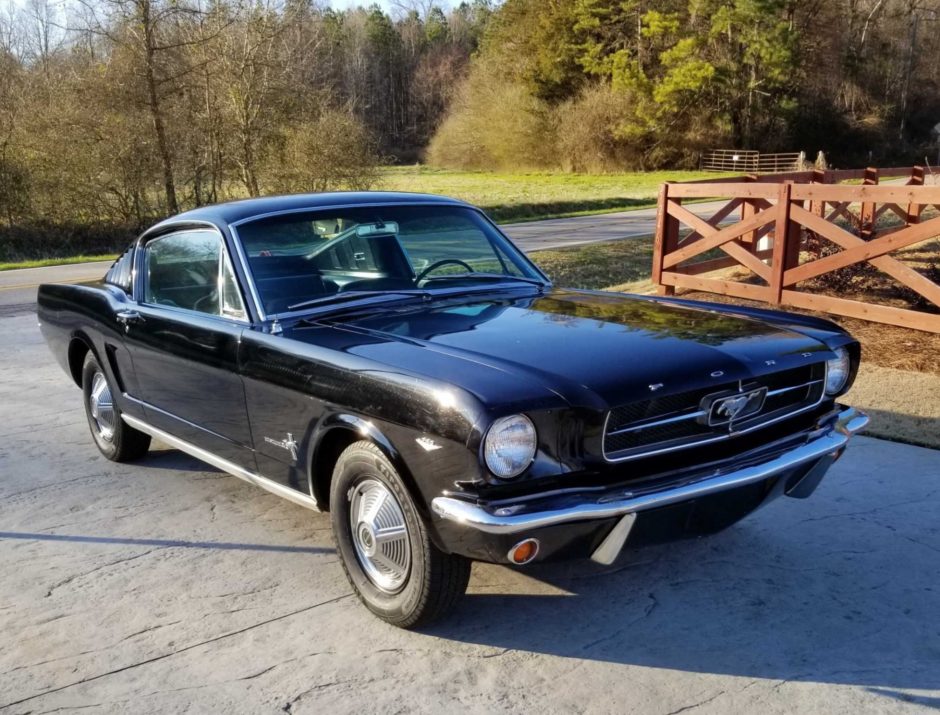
{"x":597,"y":84}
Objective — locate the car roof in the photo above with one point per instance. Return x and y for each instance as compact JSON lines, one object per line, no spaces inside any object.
{"x":235,"y":211}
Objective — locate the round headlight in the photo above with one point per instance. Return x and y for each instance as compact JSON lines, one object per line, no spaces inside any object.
{"x":837,"y":371}
{"x":509,"y":446}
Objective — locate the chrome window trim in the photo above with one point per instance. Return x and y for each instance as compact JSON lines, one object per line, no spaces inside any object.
{"x":246,"y":269}
{"x":140,"y":275}
{"x":330,"y":207}
{"x":717,"y":438}
{"x":225,"y":262}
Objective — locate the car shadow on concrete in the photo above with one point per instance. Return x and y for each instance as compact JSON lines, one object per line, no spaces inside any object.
{"x":782,"y":598}
{"x":175,"y":460}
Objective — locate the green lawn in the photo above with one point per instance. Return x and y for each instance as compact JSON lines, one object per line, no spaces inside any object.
{"x":599,"y":265}
{"x":517,"y":196}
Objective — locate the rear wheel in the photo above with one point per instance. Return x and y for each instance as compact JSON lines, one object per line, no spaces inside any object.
{"x":116,"y":440}
{"x":389,"y":558}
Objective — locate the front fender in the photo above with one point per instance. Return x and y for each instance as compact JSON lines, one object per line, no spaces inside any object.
{"x":429,"y":465}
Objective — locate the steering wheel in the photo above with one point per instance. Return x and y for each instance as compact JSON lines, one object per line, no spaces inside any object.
{"x":444,"y":262}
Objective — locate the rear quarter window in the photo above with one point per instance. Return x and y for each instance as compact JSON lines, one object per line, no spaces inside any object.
{"x":121,"y":272}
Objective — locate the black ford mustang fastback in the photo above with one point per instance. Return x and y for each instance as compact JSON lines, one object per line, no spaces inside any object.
{"x":394,"y":359}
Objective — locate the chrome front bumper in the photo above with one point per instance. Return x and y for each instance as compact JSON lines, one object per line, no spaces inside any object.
{"x":828,"y":441}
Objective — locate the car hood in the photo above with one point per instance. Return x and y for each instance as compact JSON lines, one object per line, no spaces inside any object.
{"x":591,"y":346}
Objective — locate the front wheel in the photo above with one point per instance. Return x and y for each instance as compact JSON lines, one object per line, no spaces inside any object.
{"x":388,"y":556}
{"x":115,"y":439}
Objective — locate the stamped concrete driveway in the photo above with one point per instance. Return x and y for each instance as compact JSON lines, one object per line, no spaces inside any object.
{"x":167,"y":586}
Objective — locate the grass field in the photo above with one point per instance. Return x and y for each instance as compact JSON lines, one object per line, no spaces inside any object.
{"x":513,"y":197}
{"x":41,"y":262}
{"x":618,"y":264}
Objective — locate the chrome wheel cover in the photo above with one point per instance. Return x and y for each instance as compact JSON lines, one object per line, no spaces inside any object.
{"x":101,"y":406}
{"x":380,"y":535}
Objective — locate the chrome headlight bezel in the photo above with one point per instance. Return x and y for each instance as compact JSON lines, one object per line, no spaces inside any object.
{"x":513,"y":433}
{"x":838,"y":371}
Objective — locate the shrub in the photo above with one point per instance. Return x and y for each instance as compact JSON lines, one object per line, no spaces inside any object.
{"x":494,"y":123}
{"x":588,"y":137}
{"x":333,"y":151}
{"x":14,"y":195}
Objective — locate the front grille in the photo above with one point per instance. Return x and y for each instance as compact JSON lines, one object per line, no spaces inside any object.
{"x":669,"y":422}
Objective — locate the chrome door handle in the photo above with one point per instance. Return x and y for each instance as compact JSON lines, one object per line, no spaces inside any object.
{"x":126,"y":317}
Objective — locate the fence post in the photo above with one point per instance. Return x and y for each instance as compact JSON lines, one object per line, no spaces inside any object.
{"x":747,"y":210}
{"x":778,"y":263}
{"x":913,"y":210}
{"x":794,"y":237}
{"x":817,"y":207}
{"x":662,"y":241}
{"x":867,"y":215}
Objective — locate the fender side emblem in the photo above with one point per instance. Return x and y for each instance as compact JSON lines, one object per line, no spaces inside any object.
{"x":428,"y":444}
{"x":289,"y":444}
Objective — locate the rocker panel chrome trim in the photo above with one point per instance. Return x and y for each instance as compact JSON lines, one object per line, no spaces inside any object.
{"x":223,"y":464}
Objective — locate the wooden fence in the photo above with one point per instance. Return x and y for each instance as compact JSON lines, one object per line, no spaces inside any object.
{"x":784,"y":210}
{"x":751,"y":161}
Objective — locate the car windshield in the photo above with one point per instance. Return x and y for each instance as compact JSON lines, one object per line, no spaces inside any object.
{"x":299,"y":260}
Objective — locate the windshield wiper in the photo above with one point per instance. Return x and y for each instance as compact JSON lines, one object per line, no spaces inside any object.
{"x":352,"y":295}
{"x":489,"y":277}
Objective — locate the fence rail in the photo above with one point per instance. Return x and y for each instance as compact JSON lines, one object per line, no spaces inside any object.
{"x":766,"y":221}
{"x":751,"y":161}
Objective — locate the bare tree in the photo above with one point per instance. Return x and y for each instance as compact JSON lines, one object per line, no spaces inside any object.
{"x":146,"y":29}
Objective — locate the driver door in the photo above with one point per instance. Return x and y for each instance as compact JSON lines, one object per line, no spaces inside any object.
{"x":184,"y":342}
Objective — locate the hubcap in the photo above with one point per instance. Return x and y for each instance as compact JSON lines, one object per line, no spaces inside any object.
{"x":102,"y":406}
{"x":380,"y":535}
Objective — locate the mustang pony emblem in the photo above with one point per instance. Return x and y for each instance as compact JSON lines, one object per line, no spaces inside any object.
{"x":731,"y":406}
{"x":289,"y":444}
{"x":725,"y":410}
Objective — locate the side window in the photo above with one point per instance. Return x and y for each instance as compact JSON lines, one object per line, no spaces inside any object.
{"x":231,"y":299}
{"x":121,"y":272}
{"x":190,"y":270}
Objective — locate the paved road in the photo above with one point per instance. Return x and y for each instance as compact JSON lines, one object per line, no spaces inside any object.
{"x":580,"y":230}
{"x":169,"y":587}
{"x":18,"y":287}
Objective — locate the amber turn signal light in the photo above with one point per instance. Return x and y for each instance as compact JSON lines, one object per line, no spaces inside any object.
{"x":524,"y":551}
